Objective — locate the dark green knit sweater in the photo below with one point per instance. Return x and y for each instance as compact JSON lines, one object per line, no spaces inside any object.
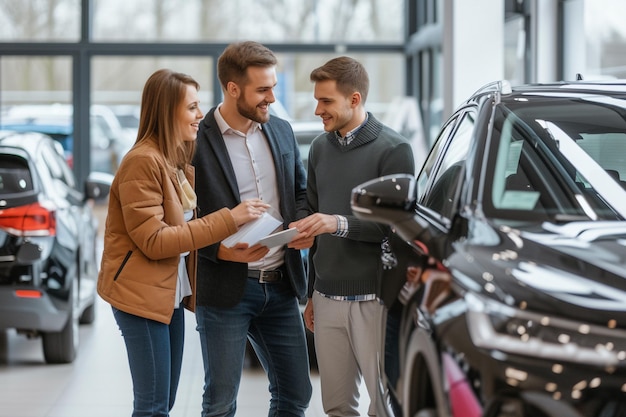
{"x":351,"y":265}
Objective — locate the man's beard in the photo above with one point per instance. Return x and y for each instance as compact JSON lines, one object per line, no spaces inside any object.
{"x":251,"y":112}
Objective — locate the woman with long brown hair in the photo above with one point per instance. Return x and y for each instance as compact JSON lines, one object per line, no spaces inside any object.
{"x":151,"y":236}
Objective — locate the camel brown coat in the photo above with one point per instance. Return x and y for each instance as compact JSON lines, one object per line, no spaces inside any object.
{"x":145,"y":234}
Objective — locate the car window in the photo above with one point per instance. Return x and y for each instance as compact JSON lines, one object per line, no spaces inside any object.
{"x":429,"y":164}
{"x":16,"y":182}
{"x":517,"y":183}
{"x":59,"y":171}
{"x":557,"y":161}
{"x":441,"y":197}
{"x":609,"y":150}
{"x":15,"y":176}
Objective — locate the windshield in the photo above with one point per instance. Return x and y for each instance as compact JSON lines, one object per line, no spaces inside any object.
{"x":559,"y":158}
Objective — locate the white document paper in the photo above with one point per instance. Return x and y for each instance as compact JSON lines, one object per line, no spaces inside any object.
{"x":279,"y":238}
{"x":253,"y":231}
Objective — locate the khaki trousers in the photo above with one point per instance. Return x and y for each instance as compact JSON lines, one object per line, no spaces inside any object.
{"x":348,"y":339}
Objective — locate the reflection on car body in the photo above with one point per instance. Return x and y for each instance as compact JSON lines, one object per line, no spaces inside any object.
{"x":520,"y":207}
{"x":48,"y":267}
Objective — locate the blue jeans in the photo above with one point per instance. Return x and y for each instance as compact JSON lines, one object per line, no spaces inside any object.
{"x":268,"y":315}
{"x":155,"y":354}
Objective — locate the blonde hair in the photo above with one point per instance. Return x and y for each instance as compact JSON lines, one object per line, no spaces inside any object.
{"x":162,"y":96}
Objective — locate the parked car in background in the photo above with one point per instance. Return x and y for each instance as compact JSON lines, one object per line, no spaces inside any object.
{"x":520,"y":209}
{"x":305,"y":132}
{"x":59,"y":129}
{"x":107,"y":138}
{"x":128,"y":116}
{"x":48,"y":264}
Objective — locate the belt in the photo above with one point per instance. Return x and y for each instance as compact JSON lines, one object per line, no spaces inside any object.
{"x":361,"y":297}
{"x":266,"y":276}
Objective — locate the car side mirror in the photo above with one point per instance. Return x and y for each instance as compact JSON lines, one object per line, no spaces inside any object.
{"x":98,"y":185}
{"x":389,"y":200}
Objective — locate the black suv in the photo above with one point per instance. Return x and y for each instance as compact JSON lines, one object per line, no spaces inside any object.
{"x":518,"y":220}
{"x":48,"y":264}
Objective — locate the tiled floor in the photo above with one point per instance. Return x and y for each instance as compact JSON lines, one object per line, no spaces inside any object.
{"x":97,"y":384}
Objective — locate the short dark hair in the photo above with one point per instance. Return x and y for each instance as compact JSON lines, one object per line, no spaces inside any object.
{"x":233,"y":64}
{"x":349,"y":74}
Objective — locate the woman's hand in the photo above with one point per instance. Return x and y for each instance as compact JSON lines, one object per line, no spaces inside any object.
{"x":249,"y":210}
{"x":241,"y":252}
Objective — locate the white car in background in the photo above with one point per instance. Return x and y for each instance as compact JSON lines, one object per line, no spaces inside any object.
{"x":107,"y":138}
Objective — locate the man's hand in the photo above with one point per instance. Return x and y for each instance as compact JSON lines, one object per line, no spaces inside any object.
{"x":242,"y":253}
{"x":309,"y":321}
{"x":301,"y":241}
{"x":315,"y":224}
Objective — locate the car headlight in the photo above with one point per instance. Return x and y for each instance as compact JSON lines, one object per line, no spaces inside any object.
{"x":494,"y":325}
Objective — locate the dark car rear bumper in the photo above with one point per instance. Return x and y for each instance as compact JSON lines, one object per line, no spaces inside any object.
{"x":25,"y":313}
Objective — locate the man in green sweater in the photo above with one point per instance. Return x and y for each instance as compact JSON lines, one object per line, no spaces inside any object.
{"x":343,"y":308}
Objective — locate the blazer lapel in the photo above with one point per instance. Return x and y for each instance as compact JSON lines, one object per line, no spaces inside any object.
{"x":216,"y":143}
{"x":272,"y":139}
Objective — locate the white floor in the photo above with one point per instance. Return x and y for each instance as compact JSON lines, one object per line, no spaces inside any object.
{"x":97,"y":384}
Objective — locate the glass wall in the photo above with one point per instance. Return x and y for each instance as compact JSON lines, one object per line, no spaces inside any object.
{"x":427,"y":67}
{"x":605,"y":35}
{"x":117,"y":81}
{"x":299,"y":21}
{"x":515,"y":48}
{"x":35,"y":79}
{"x":47,"y":58}
{"x":40,"y":20}
{"x":116,"y":86}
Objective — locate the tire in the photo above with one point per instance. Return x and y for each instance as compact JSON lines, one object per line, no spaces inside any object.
{"x":89,"y":314}
{"x":61,"y":347}
{"x":423,"y":390}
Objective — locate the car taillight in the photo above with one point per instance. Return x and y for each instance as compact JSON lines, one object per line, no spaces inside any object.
{"x":30,"y":220}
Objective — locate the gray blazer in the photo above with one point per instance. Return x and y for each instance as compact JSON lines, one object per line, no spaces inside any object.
{"x":222,"y":283}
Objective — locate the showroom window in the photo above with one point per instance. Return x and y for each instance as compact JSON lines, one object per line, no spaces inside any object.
{"x":268,"y":21}
{"x":106,"y":62}
{"x":40,"y":20}
{"x":605,"y":36}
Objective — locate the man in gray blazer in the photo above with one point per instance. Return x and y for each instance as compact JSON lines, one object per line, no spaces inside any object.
{"x":250,"y":292}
